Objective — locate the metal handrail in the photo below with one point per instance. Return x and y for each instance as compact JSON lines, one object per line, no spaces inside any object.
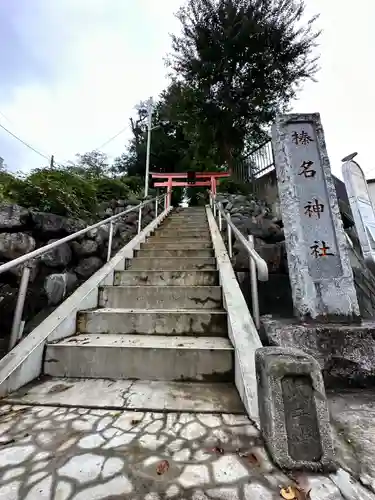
{"x":260,"y":263}
{"x":17,"y":325}
{"x":258,"y":266}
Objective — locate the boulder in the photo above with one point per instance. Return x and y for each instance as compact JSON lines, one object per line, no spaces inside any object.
{"x":71,"y":226}
{"x":32,"y":264}
{"x":56,"y":224}
{"x":13,"y":245}
{"x":86,"y":247}
{"x":87,"y":267}
{"x":57,"y":257}
{"x":102,"y":234}
{"x":12,"y":216}
{"x":132,"y":217}
{"x":274,"y":254}
{"x":58,"y":286}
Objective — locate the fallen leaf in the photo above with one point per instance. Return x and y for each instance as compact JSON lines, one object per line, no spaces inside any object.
{"x":289,"y":493}
{"x":162,"y":467}
{"x":135,"y":421}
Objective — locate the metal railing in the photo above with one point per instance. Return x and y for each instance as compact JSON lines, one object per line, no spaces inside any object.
{"x":18,"y":324}
{"x":260,"y":161}
{"x":257,"y":266}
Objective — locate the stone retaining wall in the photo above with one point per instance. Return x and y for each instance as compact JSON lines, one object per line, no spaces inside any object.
{"x":59,"y":272}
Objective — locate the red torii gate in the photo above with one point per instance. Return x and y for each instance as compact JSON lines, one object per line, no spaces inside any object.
{"x":208,"y":179}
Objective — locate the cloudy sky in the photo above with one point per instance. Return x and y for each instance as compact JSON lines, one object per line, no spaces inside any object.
{"x":71,"y":72}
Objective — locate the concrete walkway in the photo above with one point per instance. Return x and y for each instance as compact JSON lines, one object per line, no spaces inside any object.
{"x":60,"y":453}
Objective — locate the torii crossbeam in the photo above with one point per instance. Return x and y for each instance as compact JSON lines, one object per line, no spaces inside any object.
{"x":208,"y":179}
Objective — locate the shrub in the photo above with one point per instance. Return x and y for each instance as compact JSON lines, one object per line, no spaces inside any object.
{"x":7,"y":181}
{"x":56,"y":191}
{"x":135,"y":183}
{"x":233,"y":186}
{"x":108,"y":189}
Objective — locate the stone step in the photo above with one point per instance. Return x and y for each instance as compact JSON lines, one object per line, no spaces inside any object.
{"x":146,"y":395}
{"x":180,"y":239}
{"x":166,"y":278}
{"x":165,"y":252}
{"x":154,"y":322}
{"x":161,"y":297}
{"x":151,"y":357}
{"x":178,"y":264}
{"x":170,"y":245}
{"x":187,"y":223}
{"x":182,"y":234}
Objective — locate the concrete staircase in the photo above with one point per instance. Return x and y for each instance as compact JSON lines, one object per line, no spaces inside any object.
{"x":160,"y":332}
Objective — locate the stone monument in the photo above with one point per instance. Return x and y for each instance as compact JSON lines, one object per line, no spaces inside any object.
{"x":319,"y":268}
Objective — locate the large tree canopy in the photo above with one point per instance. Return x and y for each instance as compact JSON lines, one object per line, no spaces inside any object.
{"x":237,"y":63}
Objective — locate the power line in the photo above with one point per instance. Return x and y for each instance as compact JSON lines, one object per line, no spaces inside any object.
{"x":112,"y":138}
{"x":25,"y":143}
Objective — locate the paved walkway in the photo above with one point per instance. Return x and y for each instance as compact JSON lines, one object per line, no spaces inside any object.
{"x":62,"y":453}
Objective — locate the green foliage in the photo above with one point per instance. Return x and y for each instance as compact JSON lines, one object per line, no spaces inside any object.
{"x":238,"y":63}
{"x":91,"y":165}
{"x":57,"y":191}
{"x":108,"y":189}
{"x":233,"y":186}
{"x":7,"y":181}
{"x":135,"y":183}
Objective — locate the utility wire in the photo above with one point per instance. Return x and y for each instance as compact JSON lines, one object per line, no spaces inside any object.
{"x":25,"y":143}
{"x":112,"y":138}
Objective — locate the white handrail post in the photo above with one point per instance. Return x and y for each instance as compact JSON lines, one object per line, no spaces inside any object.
{"x":17,"y":319}
{"x":110,"y":239}
{"x":220,"y":220}
{"x":254,"y":286}
{"x":140,"y":219}
{"x":165,"y":202}
{"x":156,"y":207}
{"x":215,"y":209}
{"x":229,"y":230}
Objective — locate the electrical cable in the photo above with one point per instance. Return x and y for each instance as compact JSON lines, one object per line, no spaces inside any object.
{"x":111,"y":139}
{"x":24,"y":143}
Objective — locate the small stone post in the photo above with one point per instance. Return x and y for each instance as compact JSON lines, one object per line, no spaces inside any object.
{"x":320,"y":273}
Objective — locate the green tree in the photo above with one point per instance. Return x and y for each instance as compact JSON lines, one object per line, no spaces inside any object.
{"x":236,"y":64}
{"x":90,"y":165}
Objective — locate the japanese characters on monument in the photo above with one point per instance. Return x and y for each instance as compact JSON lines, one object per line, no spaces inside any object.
{"x":314,"y":203}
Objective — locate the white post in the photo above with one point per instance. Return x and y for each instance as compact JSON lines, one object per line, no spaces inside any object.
{"x":220,"y":221}
{"x":165,"y":202}
{"x":17,"y":319}
{"x":156,"y":208}
{"x":149,"y":124}
{"x":254,"y":286}
{"x":140,"y":219}
{"x":109,"y":253}
{"x":230,"y":248}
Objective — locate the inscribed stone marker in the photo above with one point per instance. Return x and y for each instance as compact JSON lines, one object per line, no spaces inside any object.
{"x":320,"y":273}
{"x":293,"y":409}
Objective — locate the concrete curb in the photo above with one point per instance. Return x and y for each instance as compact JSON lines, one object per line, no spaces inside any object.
{"x":241,"y":328}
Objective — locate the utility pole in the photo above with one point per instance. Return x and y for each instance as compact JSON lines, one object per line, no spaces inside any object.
{"x":149,"y":124}
{"x":52,"y":164}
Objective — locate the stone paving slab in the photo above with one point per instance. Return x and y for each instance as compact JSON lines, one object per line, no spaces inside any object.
{"x":131,"y":395}
{"x":62,"y":453}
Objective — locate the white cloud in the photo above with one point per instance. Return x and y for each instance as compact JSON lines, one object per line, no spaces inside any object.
{"x":116,"y":52}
